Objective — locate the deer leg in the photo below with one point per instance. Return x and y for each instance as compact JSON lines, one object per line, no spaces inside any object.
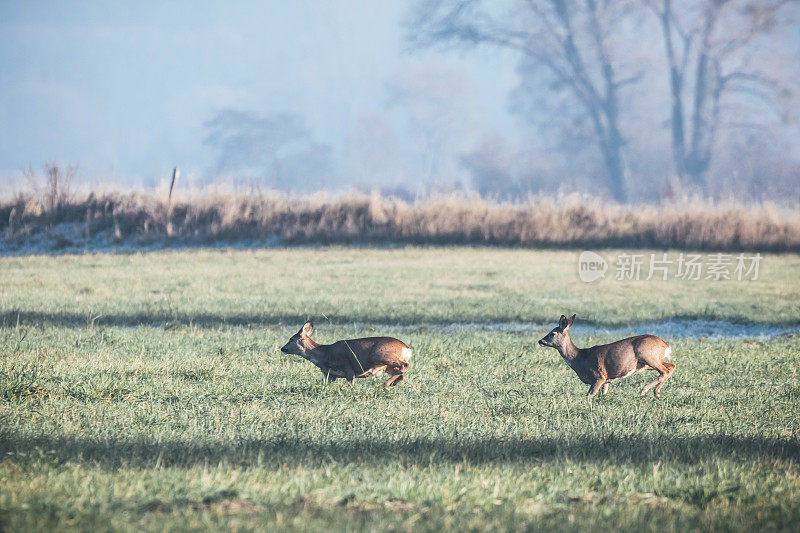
{"x":394,"y":380}
{"x":650,"y":385}
{"x":663,"y":379}
{"x":664,"y":370}
{"x":397,"y":375}
{"x":605,"y":388}
{"x":596,"y":387}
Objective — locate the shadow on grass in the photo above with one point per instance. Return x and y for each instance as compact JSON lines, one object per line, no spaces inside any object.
{"x":144,"y":454}
{"x":213,"y":320}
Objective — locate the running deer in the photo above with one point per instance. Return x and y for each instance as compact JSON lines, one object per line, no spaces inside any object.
{"x":354,"y":358}
{"x":600,"y":365}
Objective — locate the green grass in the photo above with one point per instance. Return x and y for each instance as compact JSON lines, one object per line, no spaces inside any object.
{"x":147,"y":392}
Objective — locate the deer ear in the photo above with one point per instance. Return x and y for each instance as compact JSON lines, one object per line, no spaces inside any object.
{"x":308,"y":327}
{"x":571,"y":320}
{"x":562,"y":323}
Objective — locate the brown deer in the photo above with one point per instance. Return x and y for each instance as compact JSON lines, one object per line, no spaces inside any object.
{"x":354,"y":358}
{"x":600,"y":365}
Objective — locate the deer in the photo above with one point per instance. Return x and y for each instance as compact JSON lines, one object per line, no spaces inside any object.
{"x":353,"y":358}
{"x":598,"y":366}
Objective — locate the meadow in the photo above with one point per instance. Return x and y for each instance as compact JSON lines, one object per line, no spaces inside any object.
{"x":146,"y":391}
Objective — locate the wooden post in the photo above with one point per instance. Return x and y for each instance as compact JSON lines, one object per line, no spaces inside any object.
{"x":176,"y":172}
{"x":117,"y":229}
{"x":88,"y":230}
{"x":12,"y":219}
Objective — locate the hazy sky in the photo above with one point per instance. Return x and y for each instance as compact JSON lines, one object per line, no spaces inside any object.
{"x":123,"y":88}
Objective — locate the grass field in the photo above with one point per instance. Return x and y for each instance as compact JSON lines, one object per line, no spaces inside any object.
{"x":147,"y":392}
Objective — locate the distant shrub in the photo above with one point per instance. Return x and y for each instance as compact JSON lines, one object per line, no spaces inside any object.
{"x":565,"y":221}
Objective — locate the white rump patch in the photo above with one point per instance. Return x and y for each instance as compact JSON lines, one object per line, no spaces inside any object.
{"x":667,"y":354}
{"x":406,"y":353}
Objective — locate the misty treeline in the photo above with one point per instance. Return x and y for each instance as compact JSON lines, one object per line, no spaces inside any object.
{"x":630,"y":99}
{"x":653,"y":95}
{"x":411,"y":146}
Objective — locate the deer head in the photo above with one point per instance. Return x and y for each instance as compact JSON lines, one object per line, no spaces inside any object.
{"x":557,"y":337}
{"x":300,"y":341}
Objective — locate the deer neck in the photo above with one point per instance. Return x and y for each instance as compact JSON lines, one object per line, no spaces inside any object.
{"x":569,"y":351}
{"x":311,"y":349}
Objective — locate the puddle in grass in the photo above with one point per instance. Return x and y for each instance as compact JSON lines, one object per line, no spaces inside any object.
{"x":690,"y":329}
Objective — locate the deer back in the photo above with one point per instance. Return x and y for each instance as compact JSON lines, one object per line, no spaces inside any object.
{"x":624,"y":357}
{"x":365,"y":356}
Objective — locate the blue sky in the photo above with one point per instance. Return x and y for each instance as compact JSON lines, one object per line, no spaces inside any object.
{"x":123,"y":88}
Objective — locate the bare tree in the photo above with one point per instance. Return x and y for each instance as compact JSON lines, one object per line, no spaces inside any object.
{"x":373,"y":156}
{"x":491,"y":166}
{"x":442,"y":115}
{"x":57,"y":190}
{"x":569,"y":39}
{"x":275,"y":150}
{"x":708,"y":60}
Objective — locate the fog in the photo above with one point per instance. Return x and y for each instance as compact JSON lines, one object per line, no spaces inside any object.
{"x":503,"y":98}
